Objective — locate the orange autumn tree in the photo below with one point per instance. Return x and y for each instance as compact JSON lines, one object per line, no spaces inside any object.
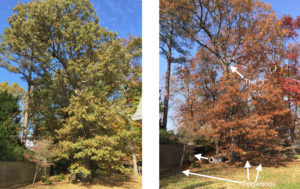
{"x":250,"y":120}
{"x":246,"y":119}
{"x":231,"y":30}
{"x":288,"y":73}
{"x":193,"y":90}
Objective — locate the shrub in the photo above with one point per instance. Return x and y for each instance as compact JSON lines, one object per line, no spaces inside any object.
{"x":48,"y":182}
{"x":44,"y":177}
{"x":69,"y":176}
{"x":60,"y":177}
{"x":57,"y":179}
{"x":167,"y":137}
{"x":79,"y":172}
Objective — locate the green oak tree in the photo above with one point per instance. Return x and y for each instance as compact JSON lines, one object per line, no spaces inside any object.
{"x":10,"y":127}
{"x":87,"y":83}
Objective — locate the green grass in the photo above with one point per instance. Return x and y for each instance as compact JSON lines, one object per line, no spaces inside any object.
{"x":285,"y":176}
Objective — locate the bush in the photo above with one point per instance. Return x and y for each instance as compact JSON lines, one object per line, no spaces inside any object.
{"x":79,"y":172}
{"x":60,"y":177}
{"x":167,"y":137}
{"x":57,"y":179}
{"x":44,"y":177}
{"x":48,"y":182}
{"x":70,"y":177}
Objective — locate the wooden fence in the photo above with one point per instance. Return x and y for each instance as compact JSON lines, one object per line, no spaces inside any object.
{"x":170,"y":157}
{"x":15,"y":174}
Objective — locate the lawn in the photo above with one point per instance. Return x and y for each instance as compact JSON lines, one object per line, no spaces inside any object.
{"x":284,"y":176}
{"x":132,"y":183}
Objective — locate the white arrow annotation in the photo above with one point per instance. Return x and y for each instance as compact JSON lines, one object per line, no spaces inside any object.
{"x":247,"y":166}
{"x":187,"y":173}
{"x":259,"y":169}
{"x":199,"y":156}
{"x":234,"y":69}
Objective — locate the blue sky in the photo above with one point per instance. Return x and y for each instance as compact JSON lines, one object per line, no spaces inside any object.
{"x":121,"y":16}
{"x":286,"y":7}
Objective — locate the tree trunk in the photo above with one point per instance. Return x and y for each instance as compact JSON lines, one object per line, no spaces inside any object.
{"x":166,"y":98}
{"x":26,"y":112}
{"x":87,"y":163}
{"x":232,"y":141}
{"x":217,"y":147}
{"x":36,"y":172}
{"x":167,"y":87}
{"x":134,"y":162}
{"x":292,"y":131}
{"x":183,"y":154}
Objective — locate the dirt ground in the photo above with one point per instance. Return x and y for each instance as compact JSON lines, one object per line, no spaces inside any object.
{"x":133,"y":183}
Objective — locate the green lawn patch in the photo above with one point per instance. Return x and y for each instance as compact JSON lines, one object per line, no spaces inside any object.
{"x":283,"y":177}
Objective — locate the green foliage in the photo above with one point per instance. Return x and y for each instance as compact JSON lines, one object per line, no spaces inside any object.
{"x":14,"y":89}
{"x":44,"y":177}
{"x":167,"y":137}
{"x":62,"y":176}
{"x":87,"y":82}
{"x":48,"y":182}
{"x":10,"y":149}
{"x":70,"y":176}
{"x":59,"y":178}
{"x":79,"y":170}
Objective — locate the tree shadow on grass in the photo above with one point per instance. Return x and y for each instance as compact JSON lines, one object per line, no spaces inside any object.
{"x":167,"y":180}
{"x":203,"y":184}
{"x":172,"y":176}
{"x":267,"y":161}
{"x":110,"y":180}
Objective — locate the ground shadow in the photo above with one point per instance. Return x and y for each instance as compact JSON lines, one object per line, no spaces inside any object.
{"x":109,"y":180}
{"x":267,"y":162}
{"x":173,"y":170}
{"x":199,"y":185}
{"x":173,"y":175}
